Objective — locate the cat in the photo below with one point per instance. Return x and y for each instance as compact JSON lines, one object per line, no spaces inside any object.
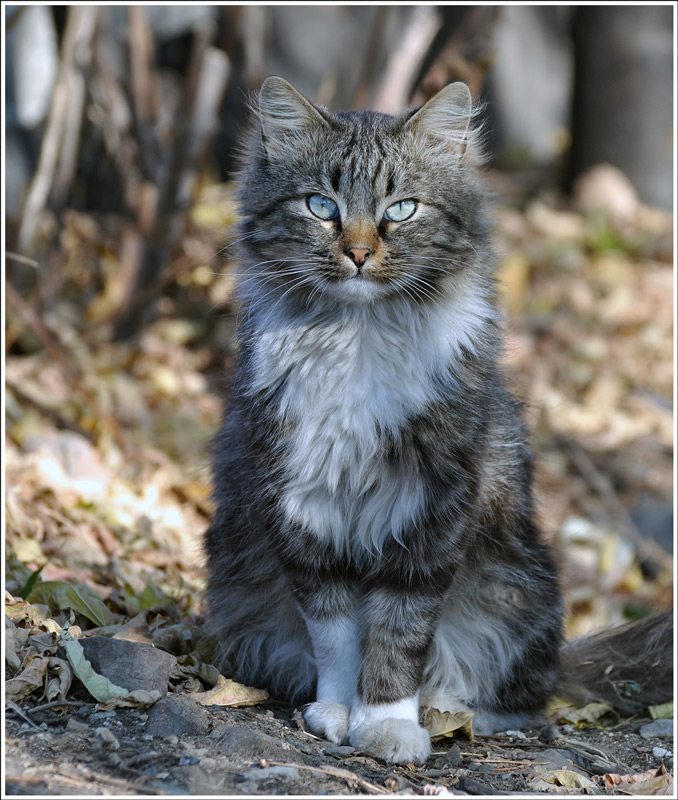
{"x":374,"y":549}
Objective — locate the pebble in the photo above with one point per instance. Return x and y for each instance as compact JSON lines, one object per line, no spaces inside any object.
{"x":109,"y":741}
{"x":453,"y":756}
{"x":75,"y":726}
{"x":339,"y":750}
{"x":660,"y":727}
{"x":661,"y":752}
{"x":248,"y":744}
{"x":132,"y":665}
{"x":254,"y":776}
{"x":101,"y":716}
{"x":178,"y":715}
{"x":549,"y":734}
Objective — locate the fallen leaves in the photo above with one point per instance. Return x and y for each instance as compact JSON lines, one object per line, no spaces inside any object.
{"x":229,"y":693}
{"x":564,"y":781}
{"x":657,"y":782}
{"x":446,"y":724}
{"x":590,"y":715}
{"x":31,"y":679}
{"x":76,"y":596}
{"x":663,"y":711}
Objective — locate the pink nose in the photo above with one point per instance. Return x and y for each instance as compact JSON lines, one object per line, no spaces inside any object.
{"x":358,"y":255}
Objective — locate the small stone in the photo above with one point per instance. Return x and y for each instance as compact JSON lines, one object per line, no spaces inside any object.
{"x":178,"y":715}
{"x":102,"y":716}
{"x":549,"y":734}
{"x":661,"y":752}
{"x":338,"y":750}
{"x":605,"y":188}
{"x":660,"y":727}
{"x":247,"y":744}
{"x":266,"y":773}
{"x":453,"y":756}
{"x":107,"y":739}
{"x":75,"y":726}
{"x":132,"y":665}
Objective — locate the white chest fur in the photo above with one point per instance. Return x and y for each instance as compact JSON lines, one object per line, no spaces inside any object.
{"x":346,"y":382}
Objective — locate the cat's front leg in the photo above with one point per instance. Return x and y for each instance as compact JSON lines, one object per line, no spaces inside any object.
{"x":397,"y":636}
{"x":336,"y":647}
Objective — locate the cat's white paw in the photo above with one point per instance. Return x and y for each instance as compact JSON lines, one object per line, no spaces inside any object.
{"x":394,"y":740}
{"x":329,"y":720}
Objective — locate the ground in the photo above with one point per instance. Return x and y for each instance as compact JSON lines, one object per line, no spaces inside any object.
{"x":107,"y":497}
{"x":266,"y":750}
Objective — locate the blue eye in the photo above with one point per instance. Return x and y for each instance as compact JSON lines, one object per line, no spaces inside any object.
{"x":401,"y":210}
{"x":322,"y":207}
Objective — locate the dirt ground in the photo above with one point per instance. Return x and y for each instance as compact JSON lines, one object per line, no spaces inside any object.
{"x":177,"y":747}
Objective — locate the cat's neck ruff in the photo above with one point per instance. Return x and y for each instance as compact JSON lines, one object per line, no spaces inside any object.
{"x":339,"y":382}
{"x":345,"y":353}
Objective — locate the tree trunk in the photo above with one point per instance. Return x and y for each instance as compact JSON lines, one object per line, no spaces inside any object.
{"x":623,"y":95}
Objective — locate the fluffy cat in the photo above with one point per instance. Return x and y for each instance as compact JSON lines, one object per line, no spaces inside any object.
{"x":374,"y":549}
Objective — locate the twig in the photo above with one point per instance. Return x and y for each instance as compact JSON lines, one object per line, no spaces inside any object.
{"x":335,"y":772}
{"x":78,"y":28}
{"x":29,"y":262}
{"x":406,"y":59}
{"x":78,"y":61}
{"x":55,"y":703}
{"x":12,"y":706}
{"x":589,"y":750}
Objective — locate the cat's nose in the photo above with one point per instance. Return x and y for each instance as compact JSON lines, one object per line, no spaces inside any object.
{"x":358,"y":255}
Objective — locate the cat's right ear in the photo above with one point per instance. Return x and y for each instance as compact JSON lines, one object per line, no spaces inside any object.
{"x":446,"y":116}
{"x":285,"y":115}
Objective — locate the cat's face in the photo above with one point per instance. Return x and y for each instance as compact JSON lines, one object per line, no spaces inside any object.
{"x":358,"y":206}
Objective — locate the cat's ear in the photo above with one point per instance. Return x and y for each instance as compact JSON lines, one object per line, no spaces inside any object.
{"x":446,"y":116}
{"x":285,"y":114}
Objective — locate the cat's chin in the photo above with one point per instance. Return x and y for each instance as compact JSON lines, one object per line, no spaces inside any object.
{"x":357,"y":290}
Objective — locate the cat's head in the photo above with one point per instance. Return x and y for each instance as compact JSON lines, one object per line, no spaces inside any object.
{"x":358,"y":206}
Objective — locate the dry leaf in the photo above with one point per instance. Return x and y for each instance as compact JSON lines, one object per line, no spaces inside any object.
{"x":36,"y":614}
{"x":29,"y":680}
{"x":442,"y":724}
{"x":60,"y":595}
{"x":230,"y":693}
{"x":663,"y":711}
{"x":587,"y":715}
{"x":652,"y":782}
{"x":565,"y":779}
{"x":135,"y":699}
{"x":59,"y":686}
{"x":11,"y":658}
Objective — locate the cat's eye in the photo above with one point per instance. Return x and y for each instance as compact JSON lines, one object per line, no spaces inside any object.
{"x":322,"y":207}
{"x":401,"y":210}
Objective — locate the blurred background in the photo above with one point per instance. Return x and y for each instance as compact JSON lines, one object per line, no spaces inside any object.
{"x":121,"y":139}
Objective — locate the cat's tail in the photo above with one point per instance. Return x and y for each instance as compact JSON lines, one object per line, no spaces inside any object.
{"x":629,"y":667}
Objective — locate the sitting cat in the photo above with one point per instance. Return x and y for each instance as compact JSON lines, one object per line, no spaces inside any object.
{"x":374,"y":548}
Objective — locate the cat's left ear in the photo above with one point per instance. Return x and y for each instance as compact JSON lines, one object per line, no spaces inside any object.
{"x":446,"y":116}
{"x":285,"y":115}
